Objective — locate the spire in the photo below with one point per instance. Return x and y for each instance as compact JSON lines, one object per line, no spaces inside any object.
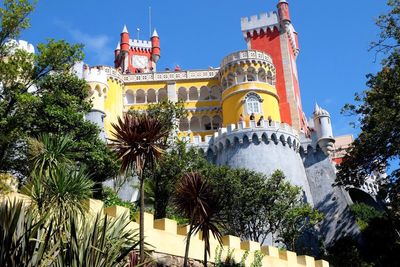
{"x":155,"y":34}
{"x":282,"y":1}
{"x":316,"y":108}
{"x":118,"y":46}
{"x":125,"y":29}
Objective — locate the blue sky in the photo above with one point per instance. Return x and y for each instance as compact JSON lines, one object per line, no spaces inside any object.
{"x":334,"y":38}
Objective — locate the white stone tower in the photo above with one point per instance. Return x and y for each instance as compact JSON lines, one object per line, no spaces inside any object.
{"x":323,"y":129}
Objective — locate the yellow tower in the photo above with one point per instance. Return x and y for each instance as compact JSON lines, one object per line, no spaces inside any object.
{"x":248,"y":81}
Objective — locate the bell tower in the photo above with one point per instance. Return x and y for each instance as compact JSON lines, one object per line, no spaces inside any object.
{"x":274,"y":34}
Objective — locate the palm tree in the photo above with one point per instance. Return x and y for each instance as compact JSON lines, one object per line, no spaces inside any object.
{"x":138,"y":140}
{"x":196,"y":199}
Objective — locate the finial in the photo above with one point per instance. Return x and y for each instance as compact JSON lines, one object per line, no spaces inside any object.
{"x":125,"y":29}
{"x":155,"y":34}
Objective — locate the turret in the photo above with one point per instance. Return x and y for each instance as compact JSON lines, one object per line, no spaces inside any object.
{"x":125,"y":39}
{"x":96,"y":79}
{"x":155,"y":44}
{"x":117,"y":50}
{"x":283,"y":11}
{"x":323,"y":129}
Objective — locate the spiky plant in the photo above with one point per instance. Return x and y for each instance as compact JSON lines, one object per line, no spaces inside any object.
{"x":60,"y":192}
{"x":138,"y":140}
{"x":195,"y":199}
{"x":49,"y":150}
{"x":101,"y":241}
{"x":24,"y":239}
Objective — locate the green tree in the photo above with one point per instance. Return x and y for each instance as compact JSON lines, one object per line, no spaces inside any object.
{"x":138,"y":140}
{"x":167,"y":112}
{"x":40,"y":95}
{"x":178,"y":160}
{"x":256,"y":206}
{"x":377,"y":111}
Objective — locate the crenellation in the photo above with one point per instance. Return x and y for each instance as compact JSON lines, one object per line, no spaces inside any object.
{"x":270,"y":251}
{"x":166,"y":225}
{"x":306,"y":261}
{"x":250,"y":246}
{"x":260,"y":22}
{"x":233,"y":242}
{"x":167,"y":237}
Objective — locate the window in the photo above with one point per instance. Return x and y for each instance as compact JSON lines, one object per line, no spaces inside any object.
{"x":253,"y":105}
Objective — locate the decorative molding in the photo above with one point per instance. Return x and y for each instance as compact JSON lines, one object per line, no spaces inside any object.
{"x":171,"y":76}
{"x":246,"y":55}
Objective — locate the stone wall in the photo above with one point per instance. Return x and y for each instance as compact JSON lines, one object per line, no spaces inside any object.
{"x":333,"y":201}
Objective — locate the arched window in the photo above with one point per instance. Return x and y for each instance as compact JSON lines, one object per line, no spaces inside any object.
{"x":270,"y":78}
{"x":206,"y":123}
{"x":231,"y":80}
{"x":162,"y":94}
{"x":204,"y":93}
{"x":224,"y":83}
{"x":193,"y":94}
{"x":194,"y":124}
{"x":182,"y":94}
{"x":215,"y":93}
{"x":140,"y":96}
{"x":129,"y":97}
{"x":251,"y":75}
{"x":262,"y":76}
{"x":253,"y":103}
{"x":216,"y":122}
{"x":151,"y":96}
{"x":184,"y":124}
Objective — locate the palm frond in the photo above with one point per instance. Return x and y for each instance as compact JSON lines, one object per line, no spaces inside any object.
{"x":138,"y":141}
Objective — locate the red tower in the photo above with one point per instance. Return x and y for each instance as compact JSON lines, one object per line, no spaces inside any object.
{"x":137,"y":56}
{"x":274,"y":34}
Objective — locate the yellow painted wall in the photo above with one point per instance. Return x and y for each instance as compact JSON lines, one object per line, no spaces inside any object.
{"x":113,"y":105}
{"x":233,"y":102}
{"x":167,"y":237}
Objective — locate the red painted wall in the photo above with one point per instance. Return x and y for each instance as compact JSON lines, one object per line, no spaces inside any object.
{"x":270,"y":43}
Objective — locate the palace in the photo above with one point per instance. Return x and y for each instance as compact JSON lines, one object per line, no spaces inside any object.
{"x":245,"y":114}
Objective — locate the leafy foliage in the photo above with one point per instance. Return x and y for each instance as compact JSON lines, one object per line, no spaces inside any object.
{"x":111,"y":198}
{"x":255,"y":206}
{"x":168,"y":113}
{"x":364,"y":214}
{"x":27,"y":240}
{"x":24,"y":239}
{"x":40,"y":95}
{"x":49,"y":151}
{"x":177,"y":160}
{"x":102,"y":242}
{"x":6,"y":183}
{"x":61,"y":192}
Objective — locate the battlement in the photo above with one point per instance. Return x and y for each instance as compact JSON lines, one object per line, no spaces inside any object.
{"x":95,"y":74}
{"x":260,"y":22}
{"x":275,"y":131}
{"x":143,"y":44}
{"x":166,"y":237}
